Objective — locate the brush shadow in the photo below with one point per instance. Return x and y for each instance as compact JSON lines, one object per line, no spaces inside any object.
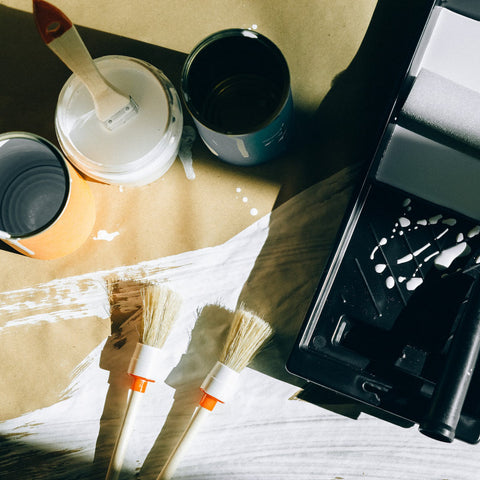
{"x":207,"y":340}
{"x":126,"y":314}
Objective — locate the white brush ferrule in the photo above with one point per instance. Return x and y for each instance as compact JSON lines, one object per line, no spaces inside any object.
{"x":144,"y":362}
{"x":220,"y":383}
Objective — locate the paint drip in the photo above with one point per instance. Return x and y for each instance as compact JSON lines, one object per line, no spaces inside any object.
{"x":442,"y":259}
{"x":104,"y":235}
{"x":189,"y":136}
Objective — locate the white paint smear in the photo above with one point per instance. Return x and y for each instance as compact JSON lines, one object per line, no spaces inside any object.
{"x":104,"y":235}
{"x":447,"y":257}
{"x":185,"y":152}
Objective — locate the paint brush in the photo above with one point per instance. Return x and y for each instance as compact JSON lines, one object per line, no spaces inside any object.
{"x":160,"y":310}
{"x":247,"y":334}
{"x":113,"y":108}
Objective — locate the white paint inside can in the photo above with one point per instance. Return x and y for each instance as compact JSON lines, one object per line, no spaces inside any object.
{"x":136,"y":153}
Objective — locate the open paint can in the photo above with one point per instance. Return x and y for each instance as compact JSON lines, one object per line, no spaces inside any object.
{"x":47,"y":209}
{"x":236,"y":86}
{"x":136,"y":153}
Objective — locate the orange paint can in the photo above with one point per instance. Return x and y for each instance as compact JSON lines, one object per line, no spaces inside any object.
{"x":47,"y":209}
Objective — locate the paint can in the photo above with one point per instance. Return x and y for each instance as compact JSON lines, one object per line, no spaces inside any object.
{"x":236,"y":85}
{"x":136,"y":153}
{"x":47,"y":209}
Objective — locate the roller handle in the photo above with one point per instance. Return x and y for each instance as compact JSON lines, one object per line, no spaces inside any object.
{"x":442,"y":419}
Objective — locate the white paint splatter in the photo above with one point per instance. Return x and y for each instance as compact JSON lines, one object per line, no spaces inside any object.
{"x":405,"y":259}
{"x":238,"y":190}
{"x":404,"y":222}
{"x":460,"y":237}
{"x":432,"y":255}
{"x":413,"y":283}
{"x":440,"y":235}
{"x":474,"y":231}
{"x":435,"y":219}
{"x":449,"y":221}
{"x":253,"y":212}
{"x":380,"y":267}
{"x":446,"y":258}
{"x":245,"y":199}
{"x":422,"y":222}
{"x":390,"y":282}
{"x":185,"y":152}
{"x":104,"y":235}
{"x":381,"y":243}
{"x":421,"y":249}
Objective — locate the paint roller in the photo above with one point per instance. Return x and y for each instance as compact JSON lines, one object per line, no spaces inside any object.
{"x":434,"y":150}
{"x":443,"y":416}
{"x":443,"y":107}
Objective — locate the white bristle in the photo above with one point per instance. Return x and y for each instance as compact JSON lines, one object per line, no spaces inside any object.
{"x":247,"y":334}
{"x":160,"y":309}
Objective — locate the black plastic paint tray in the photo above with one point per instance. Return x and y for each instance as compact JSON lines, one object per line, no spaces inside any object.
{"x":395,"y":322}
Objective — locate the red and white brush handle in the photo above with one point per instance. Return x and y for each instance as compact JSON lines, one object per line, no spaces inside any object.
{"x":218,"y":386}
{"x":142,"y":369}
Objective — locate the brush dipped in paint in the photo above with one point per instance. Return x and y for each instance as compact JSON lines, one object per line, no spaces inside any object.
{"x":113,"y":108}
{"x":246,"y":336}
{"x":160,"y":310}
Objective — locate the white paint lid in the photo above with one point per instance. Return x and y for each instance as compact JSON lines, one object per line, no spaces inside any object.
{"x":135,"y":153}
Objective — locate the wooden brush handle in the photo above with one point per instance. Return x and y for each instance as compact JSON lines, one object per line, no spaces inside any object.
{"x":61,"y":36}
{"x":198,"y":417}
{"x":118,"y":456}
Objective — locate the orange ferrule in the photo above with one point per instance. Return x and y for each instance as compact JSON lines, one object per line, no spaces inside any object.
{"x":139,"y":384}
{"x":207,"y":401}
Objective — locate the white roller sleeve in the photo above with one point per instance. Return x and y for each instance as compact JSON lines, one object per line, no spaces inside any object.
{"x":145,"y":361}
{"x":448,"y":107}
{"x":220,"y":383}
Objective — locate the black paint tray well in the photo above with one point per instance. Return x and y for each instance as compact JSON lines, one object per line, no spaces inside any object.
{"x":395,"y":323}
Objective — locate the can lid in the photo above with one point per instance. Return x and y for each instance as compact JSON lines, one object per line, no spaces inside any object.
{"x":137,"y":152}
